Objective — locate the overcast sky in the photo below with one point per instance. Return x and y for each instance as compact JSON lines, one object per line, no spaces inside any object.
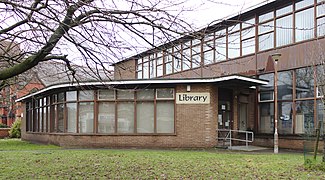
{"x":206,"y":11}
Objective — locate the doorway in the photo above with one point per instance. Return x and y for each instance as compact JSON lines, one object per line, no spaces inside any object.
{"x":225,"y":109}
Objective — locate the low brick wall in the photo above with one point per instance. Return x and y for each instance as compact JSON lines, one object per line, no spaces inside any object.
{"x":4,"y":132}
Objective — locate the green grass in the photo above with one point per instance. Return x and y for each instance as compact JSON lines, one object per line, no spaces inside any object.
{"x":50,"y":162}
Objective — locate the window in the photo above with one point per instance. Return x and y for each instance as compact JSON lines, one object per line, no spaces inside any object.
{"x":177,"y":59}
{"x":86,"y":95}
{"x":106,"y":117}
{"x":152,"y":64}
{"x":152,"y":111}
{"x":196,"y":53}
{"x":139,"y":69}
{"x":248,"y":37}
{"x":284,"y":30}
{"x":167,"y":93}
{"x":86,"y":117}
{"x":145,"y":117}
{"x":304,"y":117}
{"x":160,"y":64}
{"x":285,"y":112}
{"x":304,"y":3}
{"x":125,"y":94}
{"x":266,"y":117}
{"x":72,"y":117}
{"x":71,"y":95}
{"x":186,"y":56}
{"x":106,"y":95}
{"x":305,"y":24}
{"x":169,"y":61}
{"x":234,"y":45}
{"x":304,"y":83}
{"x":285,"y":85}
{"x":220,"y":48}
{"x":125,"y":117}
{"x":165,"y":117}
{"x":266,"y":36}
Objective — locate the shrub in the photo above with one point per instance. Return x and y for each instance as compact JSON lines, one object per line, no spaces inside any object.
{"x":15,"y":131}
{"x":3,"y":125}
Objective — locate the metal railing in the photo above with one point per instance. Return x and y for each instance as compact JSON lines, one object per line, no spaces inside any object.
{"x":230,"y":135}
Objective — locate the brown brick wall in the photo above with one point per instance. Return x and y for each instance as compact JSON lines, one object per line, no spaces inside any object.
{"x":125,"y":70}
{"x":284,"y":142}
{"x":195,"y":126}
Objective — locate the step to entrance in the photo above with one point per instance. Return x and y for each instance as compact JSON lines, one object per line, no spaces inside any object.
{"x":248,"y":148}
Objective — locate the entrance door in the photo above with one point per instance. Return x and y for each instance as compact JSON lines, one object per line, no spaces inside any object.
{"x":224,"y":115}
{"x":224,"y":108}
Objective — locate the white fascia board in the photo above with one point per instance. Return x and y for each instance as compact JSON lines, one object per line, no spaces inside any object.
{"x":152,"y":81}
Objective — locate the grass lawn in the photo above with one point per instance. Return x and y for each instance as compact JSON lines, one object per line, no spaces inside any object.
{"x":21,"y":160}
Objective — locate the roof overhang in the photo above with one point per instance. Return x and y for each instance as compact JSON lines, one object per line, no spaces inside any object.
{"x":227,"y":81}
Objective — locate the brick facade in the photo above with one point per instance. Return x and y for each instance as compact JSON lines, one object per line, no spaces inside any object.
{"x":195,"y":127}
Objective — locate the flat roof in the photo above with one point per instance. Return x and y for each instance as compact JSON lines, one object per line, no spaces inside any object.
{"x":233,"y":79}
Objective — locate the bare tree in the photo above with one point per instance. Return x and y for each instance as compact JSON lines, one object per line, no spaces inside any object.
{"x":100,"y":32}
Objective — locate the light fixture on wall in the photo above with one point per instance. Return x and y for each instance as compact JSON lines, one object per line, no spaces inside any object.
{"x":188,"y":88}
{"x":276,"y":58}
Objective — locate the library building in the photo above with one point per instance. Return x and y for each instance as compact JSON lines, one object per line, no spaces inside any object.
{"x":253,"y":77}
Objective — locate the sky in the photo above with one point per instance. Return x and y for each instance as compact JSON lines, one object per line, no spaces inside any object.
{"x":207,"y":11}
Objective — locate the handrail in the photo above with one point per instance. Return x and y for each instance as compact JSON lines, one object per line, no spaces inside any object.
{"x":229,"y":136}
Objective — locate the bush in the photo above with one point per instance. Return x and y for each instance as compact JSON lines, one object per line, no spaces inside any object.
{"x":15,"y":131}
{"x":3,"y":125}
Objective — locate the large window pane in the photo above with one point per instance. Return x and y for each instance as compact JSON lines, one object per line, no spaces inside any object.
{"x":177,"y":61}
{"x":285,"y":85}
{"x":106,"y":94}
{"x":270,"y":79}
{"x":106,"y":117}
{"x":152,"y":68}
{"x":86,"y":117}
{"x":86,"y":95}
{"x":208,"y":57}
{"x":60,"y":108}
{"x":285,"y":117}
{"x":72,"y":117}
{"x":304,"y":83}
{"x":266,"y":41}
{"x":186,"y":59}
{"x":145,"y":70}
{"x":165,"y":117}
{"x":125,"y":94}
{"x":166,"y":93}
{"x":304,"y":3}
{"x":266,"y":27}
{"x":265,"y":17}
{"x":145,"y":117}
{"x":160,"y":70}
{"x":284,"y":10}
{"x":233,"y":45}
{"x":304,"y":117}
{"x":145,"y":94}
{"x":305,"y":24}
{"x":321,"y":26}
{"x":125,"y":117}
{"x":71,"y":95}
{"x":284,"y":31}
{"x":266,"y":118}
{"x":220,"y":51}
{"x":248,"y":46}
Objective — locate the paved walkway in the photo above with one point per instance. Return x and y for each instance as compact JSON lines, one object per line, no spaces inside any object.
{"x":248,"y":148}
